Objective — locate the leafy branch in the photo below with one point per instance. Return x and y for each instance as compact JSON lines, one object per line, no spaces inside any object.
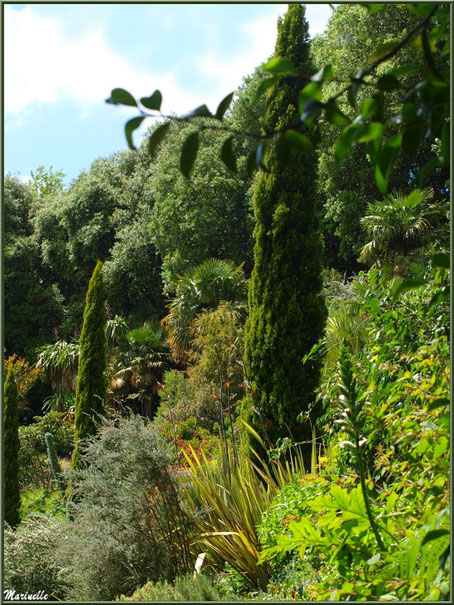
{"x":353,"y":416}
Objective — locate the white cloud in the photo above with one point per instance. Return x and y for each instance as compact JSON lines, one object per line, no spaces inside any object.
{"x":43,"y":65}
{"x":259,"y":38}
{"x":318,"y":16}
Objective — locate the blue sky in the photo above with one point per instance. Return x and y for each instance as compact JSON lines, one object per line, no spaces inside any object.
{"x":62,"y":60}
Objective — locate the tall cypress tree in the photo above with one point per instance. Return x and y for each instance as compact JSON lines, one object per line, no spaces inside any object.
{"x":91,"y":381}
{"x":286,"y":311}
{"x":11,"y":451}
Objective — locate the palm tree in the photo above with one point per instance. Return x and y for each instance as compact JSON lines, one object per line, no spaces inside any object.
{"x":139,"y":362}
{"x":199,"y":288}
{"x":60,"y":363}
{"x":397,"y":226}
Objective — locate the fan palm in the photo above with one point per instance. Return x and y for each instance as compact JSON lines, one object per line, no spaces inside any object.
{"x":60,"y":361}
{"x":397,"y":226}
{"x":140,"y":361}
{"x":199,"y":288}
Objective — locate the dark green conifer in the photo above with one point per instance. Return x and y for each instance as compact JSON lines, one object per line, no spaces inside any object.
{"x":91,"y":380}
{"x":287,"y":313}
{"x":11,"y":451}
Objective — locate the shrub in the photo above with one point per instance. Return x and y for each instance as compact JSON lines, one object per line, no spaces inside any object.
{"x":128,"y":526}
{"x":30,"y":561}
{"x":34,"y":470}
{"x":186,"y":588}
{"x":290,"y":504}
{"x":40,"y":501}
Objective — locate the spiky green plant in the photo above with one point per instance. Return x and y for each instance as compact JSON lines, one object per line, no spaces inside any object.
{"x":53,"y":463}
{"x":228,"y":496}
{"x":11,"y":451}
{"x":91,"y":379}
{"x":352,"y":422}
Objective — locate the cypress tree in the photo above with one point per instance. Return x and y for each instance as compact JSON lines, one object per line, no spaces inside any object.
{"x":286,"y":311}
{"x":11,"y":451}
{"x":91,"y":381}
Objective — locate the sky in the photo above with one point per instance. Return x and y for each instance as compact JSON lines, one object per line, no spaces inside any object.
{"x":62,"y":60}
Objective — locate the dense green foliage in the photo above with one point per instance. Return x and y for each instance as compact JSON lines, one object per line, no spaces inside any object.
{"x":11,"y":450}
{"x":399,"y":383}
{"x":186,"y":588}
{"x":286,"y":311}
{"x":206,"y":217}
{"x":370,"y":519}
{"x":27,"y":287}
{"x":91,"y":380}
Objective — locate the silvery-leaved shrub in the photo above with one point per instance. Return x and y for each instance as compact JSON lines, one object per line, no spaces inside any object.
{"x":30,"y":562}
{"x":127,"y":524}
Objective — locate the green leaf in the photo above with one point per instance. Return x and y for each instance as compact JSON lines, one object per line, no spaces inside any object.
{"x":404,"y":70}
{"x":368,"y":108}
{"x":200,"y":112}
{"x":410,"y":283}
{"x":251,"y":162}
{"x":264,"y":86}
{"x":440,"y":297}
{"x":344,"y":142}
{"x":120,"y":96}
{"x":434,"y":534}
{"x":429,"y":167}
{"x":311,"y":108}
{"x":156,"y":138}
{"x":372,"y":8}
{"x":130,"y":126}
{"x":371,"y":132}
{"x":280,"y":66}
{"x":419,"y":9}
{"x":228,"y":155}
{"x":383,"y":49}
{"x":444,"y":557}
{"x":223,"y":106}
{"x":298,"y":141}
{"x":437,"y":403}
{"x":311,"y":91}
{"x":388,"y":82}
{"x":324,"y":72}
{"x":189,"y":153}
{"x":335,"y":115}
{"x":441,"y":260}
{"x":385,"y":160}
{"x":153,"y":101}
{"x":410,"y":139}
{"x":395,"y":142}
{"x":355,"y":84}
